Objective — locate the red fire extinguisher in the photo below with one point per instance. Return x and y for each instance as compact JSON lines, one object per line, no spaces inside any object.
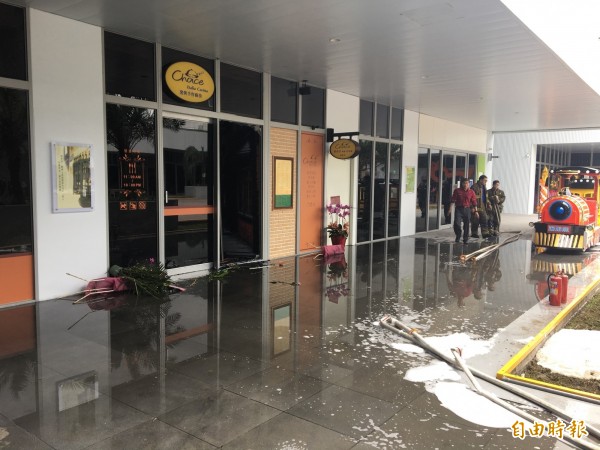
{"x":554,"y":284}
{"x":564,"y":287}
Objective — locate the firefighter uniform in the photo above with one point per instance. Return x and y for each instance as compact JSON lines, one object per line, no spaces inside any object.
{"x":483,"y":209}
{"x":496,"y":198}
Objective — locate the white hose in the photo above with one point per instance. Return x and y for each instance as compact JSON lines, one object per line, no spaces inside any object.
{"x":412,"y":335}
{"x":513,"y":409}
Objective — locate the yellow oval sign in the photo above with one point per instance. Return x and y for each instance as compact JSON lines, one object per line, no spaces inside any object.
{"x":189,"y":82}
{"x":344,"y":149}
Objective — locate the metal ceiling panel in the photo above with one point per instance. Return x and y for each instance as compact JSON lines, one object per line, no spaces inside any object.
{"x":469,"y":61}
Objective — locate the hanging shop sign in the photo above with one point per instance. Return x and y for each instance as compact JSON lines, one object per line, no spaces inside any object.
{"x":189,"y":82}
{"x":344,"y":149}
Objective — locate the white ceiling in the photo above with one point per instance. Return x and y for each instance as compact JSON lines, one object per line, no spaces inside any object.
{"x":470,"y":61}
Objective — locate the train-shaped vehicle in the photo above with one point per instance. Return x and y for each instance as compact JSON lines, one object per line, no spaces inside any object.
{"x":568,"y":218}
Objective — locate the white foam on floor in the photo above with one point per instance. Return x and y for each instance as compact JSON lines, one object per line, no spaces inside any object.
{"x":434,"y":372}
{"x":471,"y":406}
{"x":573,"y":353}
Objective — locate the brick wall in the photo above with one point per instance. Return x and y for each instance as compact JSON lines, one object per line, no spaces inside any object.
{"x":282,"y":222}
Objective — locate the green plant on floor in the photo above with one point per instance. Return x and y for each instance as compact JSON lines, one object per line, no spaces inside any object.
{"x":222,"y":272}
{"x":145,"y":277}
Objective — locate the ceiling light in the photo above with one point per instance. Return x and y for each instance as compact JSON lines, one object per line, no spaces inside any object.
{"x":334,"y":40}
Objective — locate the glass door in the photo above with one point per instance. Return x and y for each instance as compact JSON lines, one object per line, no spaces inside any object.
{"x":447,"y":188}
{"x":434,"y":190}
{"x":188,"y":155}
{"x":422,"y":190}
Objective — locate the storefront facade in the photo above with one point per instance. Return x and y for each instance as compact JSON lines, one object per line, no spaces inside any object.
{"x":181,"y":159}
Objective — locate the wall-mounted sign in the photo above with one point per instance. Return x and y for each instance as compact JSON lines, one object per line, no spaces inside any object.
{"x":344,"y":149}
{"x":189,"y":82}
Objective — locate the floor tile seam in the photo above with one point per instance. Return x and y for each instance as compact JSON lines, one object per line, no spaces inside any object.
{"x":257,"y":401}
{"x":224,"y":442}
{"x":358,"y":439}
{"x":153,"y":420}
{"x":180,"y":370}
{"x":311,"y":396}
{"x":254,"y":374}
{"x":298,"y":418}
{"x":110,"y":430}
{"x":459,"y":426}
{"x":450,"y":420}
{"x":342,"y":387}
{"x":166,"y":373}
{"x":369,"y":395}
{"x":204,"y":386}
{"x":320,"y":425}
{"x":227,"y":388}
{"x":27,"y":432}
{"x":156,"y":414}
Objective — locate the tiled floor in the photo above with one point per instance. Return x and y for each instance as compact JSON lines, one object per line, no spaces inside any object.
{"x":287,"y":356}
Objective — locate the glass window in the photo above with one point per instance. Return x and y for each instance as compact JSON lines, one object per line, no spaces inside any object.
{"x":241,"y":91}
{"x":186,"y":97}
{"x":596,"y":159}
{"x":580,"y":159}
{"x":15,"y":175}
{"x":364,"y":191}
{"x":131,"y":159}
{"x":366,"y":118}
{"x":379,"y":208}
{"x":313,"y":108}
{"x":472,"y":169}
{"x":13,"y":44}
{"x":383,"y":121}
{"x":129,"y":67}
{"x":397,"y":119}
{"x":284,"y":101}
{"x":394,"y":190}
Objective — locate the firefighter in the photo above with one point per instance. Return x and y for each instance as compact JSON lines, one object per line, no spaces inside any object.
{"x":480,"y":218}
{"x":496,"y":198}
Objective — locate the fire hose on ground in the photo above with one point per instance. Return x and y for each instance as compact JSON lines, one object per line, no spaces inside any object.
{"x":410,"y":334}
{"x":486,"y":251}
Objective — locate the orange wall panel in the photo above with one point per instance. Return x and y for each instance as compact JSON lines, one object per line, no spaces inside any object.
{"x":16,"y":278}
{"x":17,"y":333}
{"x":311,"y":190}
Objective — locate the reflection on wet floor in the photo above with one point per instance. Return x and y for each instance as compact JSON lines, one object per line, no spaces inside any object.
{"x":285,"y":356}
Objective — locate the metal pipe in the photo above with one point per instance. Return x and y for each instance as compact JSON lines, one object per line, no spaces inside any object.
{"x":523,"y":414}
{"x":412,"y":335}
{"x":474,"y":256}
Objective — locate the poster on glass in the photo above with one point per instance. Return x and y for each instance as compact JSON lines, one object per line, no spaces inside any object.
{"x":72,"y":178}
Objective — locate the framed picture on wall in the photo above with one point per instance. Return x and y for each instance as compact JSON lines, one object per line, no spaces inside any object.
{"x":283,"y":178}
{"x":72,"y":177}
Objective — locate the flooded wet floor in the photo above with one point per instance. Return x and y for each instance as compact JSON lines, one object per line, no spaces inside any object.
{"x":287,"y":356}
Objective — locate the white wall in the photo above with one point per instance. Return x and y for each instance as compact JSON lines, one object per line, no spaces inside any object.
{"x":410,"y":150}
{"x":68,"y":106}
{"x":515,"y":165}
{"x":343,"y":112}
{"x":444,"y":134}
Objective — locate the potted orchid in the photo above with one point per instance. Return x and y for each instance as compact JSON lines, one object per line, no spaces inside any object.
{"x":338,"y":225}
